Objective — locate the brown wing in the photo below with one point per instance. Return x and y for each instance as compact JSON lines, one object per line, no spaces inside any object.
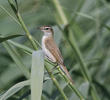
{"x":50,"y":44}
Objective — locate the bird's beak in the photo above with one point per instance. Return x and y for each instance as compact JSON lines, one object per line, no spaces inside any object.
{"x":40,"y":28}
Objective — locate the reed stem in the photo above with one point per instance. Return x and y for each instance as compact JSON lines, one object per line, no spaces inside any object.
{"x":75,"y":48}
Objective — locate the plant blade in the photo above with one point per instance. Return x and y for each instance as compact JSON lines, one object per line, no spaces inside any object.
{"x":14,"y":89}
{"x":8,"y":36}
{"x":17,"y":58}
{"x":37,"y":73}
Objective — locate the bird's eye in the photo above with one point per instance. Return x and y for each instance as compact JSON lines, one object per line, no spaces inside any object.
{"x":46,"y":28}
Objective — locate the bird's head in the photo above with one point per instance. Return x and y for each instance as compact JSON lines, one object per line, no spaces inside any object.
{"x":47,"y":30}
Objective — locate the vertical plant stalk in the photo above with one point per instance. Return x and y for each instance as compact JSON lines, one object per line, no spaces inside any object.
{"x":60,"y":11}
{"x":26,"y":30}
{"x":65,"y":22}
{"x":74,"y":46}
{"x":79,"y":57}
{"x":71,"y":84}
{"x":56,"y":83}
{"x":20,"y":20}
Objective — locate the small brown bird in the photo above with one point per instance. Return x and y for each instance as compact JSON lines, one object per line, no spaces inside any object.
{"x":50,"y":49}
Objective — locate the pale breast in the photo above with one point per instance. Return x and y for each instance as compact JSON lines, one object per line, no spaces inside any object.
{"x":46,"y":51}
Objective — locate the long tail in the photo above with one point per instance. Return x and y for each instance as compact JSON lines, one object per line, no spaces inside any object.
{"x":64,"y":69}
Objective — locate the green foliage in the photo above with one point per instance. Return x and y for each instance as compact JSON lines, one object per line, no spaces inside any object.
{"x":14,"y":89}
{"x":8,"y":36}
{"x":81,"y":29}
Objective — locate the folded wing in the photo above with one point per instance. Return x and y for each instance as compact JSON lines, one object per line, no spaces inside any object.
{"x":54,"y":50}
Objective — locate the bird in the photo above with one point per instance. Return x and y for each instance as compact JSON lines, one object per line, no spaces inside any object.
{"x":51,"y":50}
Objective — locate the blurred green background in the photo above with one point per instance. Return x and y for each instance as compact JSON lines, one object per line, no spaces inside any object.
{"x":90,"y":25}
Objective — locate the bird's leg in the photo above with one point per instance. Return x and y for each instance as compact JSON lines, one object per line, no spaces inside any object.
{"x":53,"y":69}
